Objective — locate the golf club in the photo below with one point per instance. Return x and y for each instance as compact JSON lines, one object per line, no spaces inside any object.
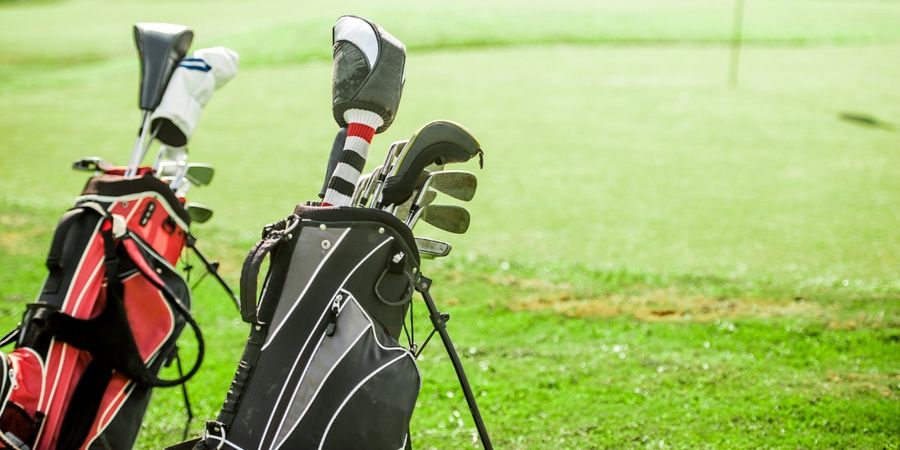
{"x":169,"y":154}
{"x":390,"y":158}
{"x":368,"y":79}
{"x":458,"y":184}
{"x":91,"y":164}
{"x":451,"y":218}
{"x":160,"y":47}
{"x":364,"y":180}
{"x":403,"y":211}
{"x":199,"y":213}
{"x":438,"y":142}
{"x":199,"y":174}
{"x":432,"y":248}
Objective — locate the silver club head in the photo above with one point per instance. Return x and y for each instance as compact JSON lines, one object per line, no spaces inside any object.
{"x":432,"y":248}
{"x":90,"y":164}
{"x":452,"y":218}
{"x":199,"y":213}
{"x":458,"y":184}
{"x":199,"y":174}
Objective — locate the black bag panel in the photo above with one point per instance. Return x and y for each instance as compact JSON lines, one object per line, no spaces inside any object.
{"x":123,"y":430}
{"x":370,"y":409}
{"x":377,"y":415}
{"x":74,"y":233}
{"x":309,"y":251}
{"x":359,"y":374}
{"x":349,"y":216}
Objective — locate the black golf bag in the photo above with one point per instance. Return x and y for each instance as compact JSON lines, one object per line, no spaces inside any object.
{"x":89,"y":349}
{"x":323,"y":368}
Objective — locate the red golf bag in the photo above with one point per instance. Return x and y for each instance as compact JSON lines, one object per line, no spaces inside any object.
{"x":89,"y":350}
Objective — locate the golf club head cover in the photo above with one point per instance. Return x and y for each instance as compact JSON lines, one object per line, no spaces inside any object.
{"x":160,"y":46}
{"x":368,"y":71}
{"x":438,"y":142}
{"x":361,"y":126}
{"x":190,"y":89}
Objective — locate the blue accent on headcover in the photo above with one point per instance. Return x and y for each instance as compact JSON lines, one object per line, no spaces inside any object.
{"x":195,"y":64}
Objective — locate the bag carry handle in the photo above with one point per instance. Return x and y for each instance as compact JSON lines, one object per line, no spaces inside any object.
{"x":272,"y":235}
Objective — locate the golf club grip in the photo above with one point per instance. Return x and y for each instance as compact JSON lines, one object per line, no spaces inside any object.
{"x":337,"y":147}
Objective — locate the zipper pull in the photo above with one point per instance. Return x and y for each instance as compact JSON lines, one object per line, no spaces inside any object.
{"x":332,"y":316}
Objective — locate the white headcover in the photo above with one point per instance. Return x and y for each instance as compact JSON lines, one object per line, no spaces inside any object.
{"x":189,"y":90}
{"x":360,"y":33}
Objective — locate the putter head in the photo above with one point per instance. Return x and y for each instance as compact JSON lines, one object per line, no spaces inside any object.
{"x":458,"y":184}
{"x":199,"y":174}
{"x":432,"y":248}
{"x":199,"y":213}
{"x":451,"y":218}
{"x":160,"y":47}
{"x":439,"y":142}
{"x":90,"y":164}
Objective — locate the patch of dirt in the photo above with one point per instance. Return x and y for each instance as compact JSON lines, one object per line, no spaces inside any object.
{"x":885,"y":384}
{"x":16,"y":235}
{"x":526,"y":283}
{"x":660,"y":305}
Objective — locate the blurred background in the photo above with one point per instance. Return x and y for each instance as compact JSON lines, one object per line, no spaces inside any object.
{"x":667,"y":248}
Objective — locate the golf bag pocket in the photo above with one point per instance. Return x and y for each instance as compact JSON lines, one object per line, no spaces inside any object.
{"x":322,"y":367}
{"x":21,"y":388}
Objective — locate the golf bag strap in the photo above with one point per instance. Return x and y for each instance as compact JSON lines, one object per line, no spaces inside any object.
{"x":193,"y":444}
{"x":54,"y":257}
{"x":272,"y":235}
{"x":108,"y":336}
{"x":12,"y":336}
{"x":396,"y":264}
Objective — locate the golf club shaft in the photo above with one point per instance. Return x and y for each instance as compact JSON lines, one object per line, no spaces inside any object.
{"x":137,"y":153}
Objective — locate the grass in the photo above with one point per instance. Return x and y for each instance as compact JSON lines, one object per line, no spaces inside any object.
{"x":656,"y":260}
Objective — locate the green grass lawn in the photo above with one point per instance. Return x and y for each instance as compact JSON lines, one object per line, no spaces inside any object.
{"x":655,"y":260}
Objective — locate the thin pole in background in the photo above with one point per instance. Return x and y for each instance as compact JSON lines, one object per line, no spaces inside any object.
{"x":736,"y":40}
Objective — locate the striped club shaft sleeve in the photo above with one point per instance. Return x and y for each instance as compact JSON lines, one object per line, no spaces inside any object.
{"x":361,"y":126}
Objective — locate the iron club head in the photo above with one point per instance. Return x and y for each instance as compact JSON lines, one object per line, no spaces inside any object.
{"x":432,"y":248}
{"x":454,"y":219}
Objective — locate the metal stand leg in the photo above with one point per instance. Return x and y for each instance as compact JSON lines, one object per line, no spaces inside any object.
{"x":439,"y":321}
{"x":212,"y":268}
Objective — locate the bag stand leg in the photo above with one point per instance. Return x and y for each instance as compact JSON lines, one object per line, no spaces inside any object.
{"x":212,"y":268}
{"x":439,"y":320}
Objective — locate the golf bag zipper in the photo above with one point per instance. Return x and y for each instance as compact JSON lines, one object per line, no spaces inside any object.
{"x":333,"y":314}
